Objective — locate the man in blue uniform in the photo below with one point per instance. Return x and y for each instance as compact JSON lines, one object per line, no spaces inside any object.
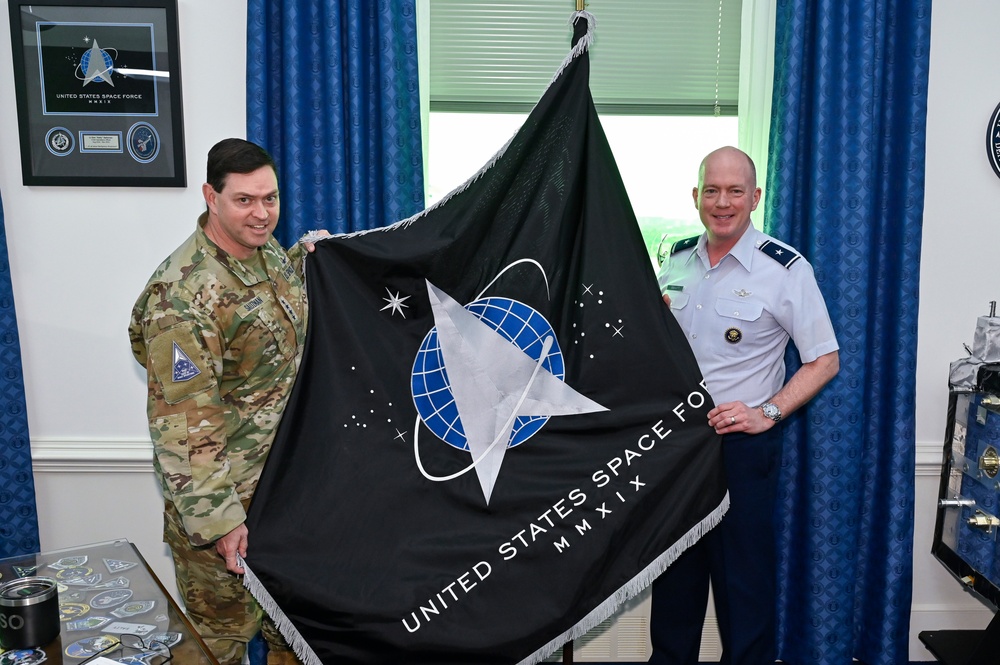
{"x":739,"y":295}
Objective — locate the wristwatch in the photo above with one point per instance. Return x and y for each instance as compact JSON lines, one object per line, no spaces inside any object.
{"x":771,"y":411}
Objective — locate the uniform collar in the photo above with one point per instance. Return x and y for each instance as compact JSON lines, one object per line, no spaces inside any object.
{"x":249,"y":272}
{"x":742,"y":251}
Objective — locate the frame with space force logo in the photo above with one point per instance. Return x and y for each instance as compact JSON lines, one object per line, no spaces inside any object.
{"x":98,"y":92}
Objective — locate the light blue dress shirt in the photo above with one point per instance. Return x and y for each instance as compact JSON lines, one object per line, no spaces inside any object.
{"x":739,"y":315}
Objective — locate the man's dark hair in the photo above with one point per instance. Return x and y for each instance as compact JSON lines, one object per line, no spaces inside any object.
{"x":235,"y":156}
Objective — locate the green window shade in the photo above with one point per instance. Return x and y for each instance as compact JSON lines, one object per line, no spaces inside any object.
{"x":660,"y":57}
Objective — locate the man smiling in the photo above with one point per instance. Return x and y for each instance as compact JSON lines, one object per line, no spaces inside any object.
{"x":739,"y":296}
{"x":242,"y":217}
{"x":220,"y":329}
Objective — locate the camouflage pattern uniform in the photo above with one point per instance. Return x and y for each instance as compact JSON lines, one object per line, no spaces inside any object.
{"x":221,"y":341}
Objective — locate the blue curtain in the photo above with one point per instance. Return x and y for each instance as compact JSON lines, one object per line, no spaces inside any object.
{"x":846,"y":184}
{"x":18,"y":520}
{"x":332,"y":93}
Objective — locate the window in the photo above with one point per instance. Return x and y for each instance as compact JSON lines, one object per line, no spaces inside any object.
{"x":650,"y":57}
{"x":660,"y":70}
{"x":658,"y":157}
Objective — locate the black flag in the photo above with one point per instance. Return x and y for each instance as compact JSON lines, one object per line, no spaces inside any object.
{"x":498,"y":433}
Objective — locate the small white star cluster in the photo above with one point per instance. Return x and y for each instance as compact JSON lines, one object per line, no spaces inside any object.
{"x":598,"y":298}
{"x":372,"y":417}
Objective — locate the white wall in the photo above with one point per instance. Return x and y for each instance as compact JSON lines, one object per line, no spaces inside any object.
{"x":79,"y":257}
{"x":957,"y":271}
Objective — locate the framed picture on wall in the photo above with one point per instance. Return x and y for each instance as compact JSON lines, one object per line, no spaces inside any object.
{"x":98,"y":92}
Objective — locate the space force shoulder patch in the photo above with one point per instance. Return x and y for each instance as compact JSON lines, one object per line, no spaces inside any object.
{"x":183,"y":368}
{"x":686,"y":243}
{"x":779,"y":253}
{"x":179,"y":364}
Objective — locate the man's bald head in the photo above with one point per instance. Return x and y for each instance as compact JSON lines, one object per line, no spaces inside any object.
{"x":729,"y":151}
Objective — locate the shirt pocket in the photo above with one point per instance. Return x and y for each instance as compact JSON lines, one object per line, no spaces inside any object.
{"x":741,"y":321}
{"x":262,"y":347}
{"x":678,"y":299}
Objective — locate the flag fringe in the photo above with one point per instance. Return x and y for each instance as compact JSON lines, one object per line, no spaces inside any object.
{"x":284,"y":624}
{"x":581,"y":46}
{"x":628,"y":591}
{"x":635,"y":586}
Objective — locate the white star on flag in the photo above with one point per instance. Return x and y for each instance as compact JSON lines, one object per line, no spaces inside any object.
{"x":395,"y":302}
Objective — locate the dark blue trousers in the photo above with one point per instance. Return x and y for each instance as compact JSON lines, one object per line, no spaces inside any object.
{"x":739,"y":558}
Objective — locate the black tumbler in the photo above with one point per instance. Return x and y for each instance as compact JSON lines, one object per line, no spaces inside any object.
{"x":29,"y":612}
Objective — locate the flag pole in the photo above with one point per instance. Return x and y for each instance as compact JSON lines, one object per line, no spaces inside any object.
{"x":567,"y":651}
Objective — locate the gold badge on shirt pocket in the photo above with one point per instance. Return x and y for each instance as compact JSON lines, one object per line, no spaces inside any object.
{"x":733,"y":335}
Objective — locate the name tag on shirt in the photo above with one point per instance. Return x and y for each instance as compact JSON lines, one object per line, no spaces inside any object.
{"x":250,"y":307}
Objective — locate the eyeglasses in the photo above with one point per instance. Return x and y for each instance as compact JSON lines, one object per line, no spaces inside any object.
{"x":133,"y":650}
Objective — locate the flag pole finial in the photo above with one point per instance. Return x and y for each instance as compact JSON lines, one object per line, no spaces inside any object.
{"x":580,"y":5}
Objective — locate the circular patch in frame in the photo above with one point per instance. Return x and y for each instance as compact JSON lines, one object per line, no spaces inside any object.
{"x":733,"y":335}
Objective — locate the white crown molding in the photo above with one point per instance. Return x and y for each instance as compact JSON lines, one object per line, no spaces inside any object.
{"x":928,"y":459}
{"x":91,"y":455}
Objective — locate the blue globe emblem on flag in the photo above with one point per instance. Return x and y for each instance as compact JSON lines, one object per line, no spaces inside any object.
{"x":108,"y":62}
{"x":516,"y":322}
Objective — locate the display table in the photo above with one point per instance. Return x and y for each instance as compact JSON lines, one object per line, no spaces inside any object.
{"x":109,"y":599}
{"x":965,"y":647}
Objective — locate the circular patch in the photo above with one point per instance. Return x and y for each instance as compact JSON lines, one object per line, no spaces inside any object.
{"x":91,"y":646}
{"x":69,"y":611}
{"x":110,"y":598}
{"x":74,"y":573}
{"x":143,"y":142}
{"x":22,"y":657}
{"x":59,"y":141}
{"x":734,"y":335}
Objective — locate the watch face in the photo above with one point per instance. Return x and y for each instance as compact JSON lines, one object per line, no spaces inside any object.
{"x":771,"y":411}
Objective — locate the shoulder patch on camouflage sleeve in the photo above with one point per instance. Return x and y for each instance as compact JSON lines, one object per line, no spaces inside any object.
{"x":779,"y":253}
{"x":182,"y":367}
{"x":180,"y":364}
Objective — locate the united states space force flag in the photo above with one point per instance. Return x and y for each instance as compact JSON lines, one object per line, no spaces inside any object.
{"x":498,"y":433}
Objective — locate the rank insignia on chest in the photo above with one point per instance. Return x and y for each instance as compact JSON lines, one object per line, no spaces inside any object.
{"x":183,"y":368}
{"x":733,"y":335}
{"x":288,"y":309}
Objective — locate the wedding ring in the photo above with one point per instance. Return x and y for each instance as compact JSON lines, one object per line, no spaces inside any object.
{"x":732,"y":419}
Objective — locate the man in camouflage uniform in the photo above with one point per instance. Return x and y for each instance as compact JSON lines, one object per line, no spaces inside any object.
{"x":220,"y":329}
